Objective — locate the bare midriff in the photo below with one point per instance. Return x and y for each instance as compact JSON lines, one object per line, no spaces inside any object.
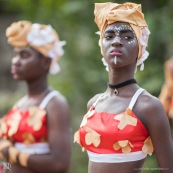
{"x":126,"y":167}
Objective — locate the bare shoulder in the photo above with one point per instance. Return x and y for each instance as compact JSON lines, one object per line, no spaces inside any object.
{"x":152,"y":114}
{"x":93,"y":100}
{"x":59,"y":100}
{"x":148,"y":101}
{"x":149,"y":109}
{"x":58,"y":107}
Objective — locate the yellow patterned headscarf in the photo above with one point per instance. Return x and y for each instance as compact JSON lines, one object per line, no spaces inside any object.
{"x":108,"y":13}
{"x":42,"y":38}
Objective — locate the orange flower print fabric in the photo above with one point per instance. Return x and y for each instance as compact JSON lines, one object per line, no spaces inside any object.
{"x":107,"y":133}
{"x":89,"y":114}
{"x":92,"y":137}
{"x":26,"y":126}
{"x":126,"y":119}
{"x":148,"y":146}
{"x":35,"y":117}
{"x":125,"y":145}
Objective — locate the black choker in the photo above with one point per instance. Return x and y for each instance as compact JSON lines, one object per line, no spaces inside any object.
{"x":116,"y":86}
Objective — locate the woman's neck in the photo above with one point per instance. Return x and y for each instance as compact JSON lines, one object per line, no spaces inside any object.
{"x":119,"y":75}
{"x":37,"y":87}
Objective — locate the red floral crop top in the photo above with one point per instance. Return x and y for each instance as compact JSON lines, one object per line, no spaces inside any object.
{"x":106,"y":133}
{"x":26,"y":126}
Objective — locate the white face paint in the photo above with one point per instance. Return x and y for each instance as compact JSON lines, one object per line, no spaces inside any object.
{"x":117,"y":34}
{"x":14,"y":59}
{"x":115,"y":60}
{"x":117,"y":31}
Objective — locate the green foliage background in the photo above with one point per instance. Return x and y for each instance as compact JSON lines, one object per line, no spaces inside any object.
{"x":83,"y":74}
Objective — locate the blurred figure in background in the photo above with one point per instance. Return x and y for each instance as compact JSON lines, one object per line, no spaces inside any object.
{"x":125,"y":123}
{"x":166,"y":94}
{"x":35,"y":133}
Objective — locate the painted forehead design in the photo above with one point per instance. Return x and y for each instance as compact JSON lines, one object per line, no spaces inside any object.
{"x":120,"y":28}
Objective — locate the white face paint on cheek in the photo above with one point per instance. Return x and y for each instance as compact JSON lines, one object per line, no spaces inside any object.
{"x":132,"y":41}
{"x":14,"y":60}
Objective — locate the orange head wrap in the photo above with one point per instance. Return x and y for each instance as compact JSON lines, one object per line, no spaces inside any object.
{"x":108,"y":13}
{"x":42,"y":38}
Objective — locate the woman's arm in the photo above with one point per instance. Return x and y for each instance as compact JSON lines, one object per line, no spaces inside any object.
{"x":58,"y":120}
{"x":59,"y":140}
{"x":155,"y":119}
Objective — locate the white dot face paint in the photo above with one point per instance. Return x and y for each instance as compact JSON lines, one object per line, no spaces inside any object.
{"x":132,"y":41}
{"x":110,"y":27}
{"x":117,"y":37}
{"x":125,"y":27}
{"x":120,"y":34}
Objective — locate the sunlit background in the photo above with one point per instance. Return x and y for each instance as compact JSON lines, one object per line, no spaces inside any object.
{"x":82,"y":72}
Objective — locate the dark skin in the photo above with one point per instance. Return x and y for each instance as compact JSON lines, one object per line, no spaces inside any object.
{"x":32,"y":67}
{"x":148,"y":109}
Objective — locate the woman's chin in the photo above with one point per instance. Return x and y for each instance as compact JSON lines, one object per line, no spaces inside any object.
{"x":17,"y":77}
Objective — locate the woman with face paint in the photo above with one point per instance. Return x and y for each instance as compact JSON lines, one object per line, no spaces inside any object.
{"x":35,"y":133}
{"x":125,"y":123}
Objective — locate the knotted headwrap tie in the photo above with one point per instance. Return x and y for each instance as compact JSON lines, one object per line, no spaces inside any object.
{"x":42,"y":38}
{"x":108,"y":13}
